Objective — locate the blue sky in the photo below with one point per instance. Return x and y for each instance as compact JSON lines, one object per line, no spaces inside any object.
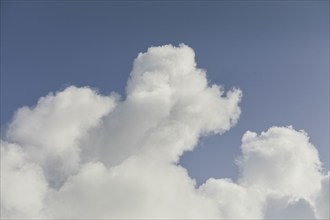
{"x":276,"y":52}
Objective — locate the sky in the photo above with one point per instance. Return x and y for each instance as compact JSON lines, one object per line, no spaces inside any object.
{"x":272,"y":55}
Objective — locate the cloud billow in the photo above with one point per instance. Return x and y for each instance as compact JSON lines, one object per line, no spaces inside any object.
{"x":79,"y":154}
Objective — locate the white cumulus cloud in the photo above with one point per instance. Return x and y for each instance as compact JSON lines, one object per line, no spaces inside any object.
{"x":79,"y":154}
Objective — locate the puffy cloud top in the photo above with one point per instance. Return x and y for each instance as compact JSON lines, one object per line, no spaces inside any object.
{"x":281,"y":160}
{"x":78,"y":154}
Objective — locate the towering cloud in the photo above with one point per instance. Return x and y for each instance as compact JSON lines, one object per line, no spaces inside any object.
{"x":78,"y":154}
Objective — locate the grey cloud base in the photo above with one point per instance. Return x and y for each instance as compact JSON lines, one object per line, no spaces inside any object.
{"x":78,"y":154}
